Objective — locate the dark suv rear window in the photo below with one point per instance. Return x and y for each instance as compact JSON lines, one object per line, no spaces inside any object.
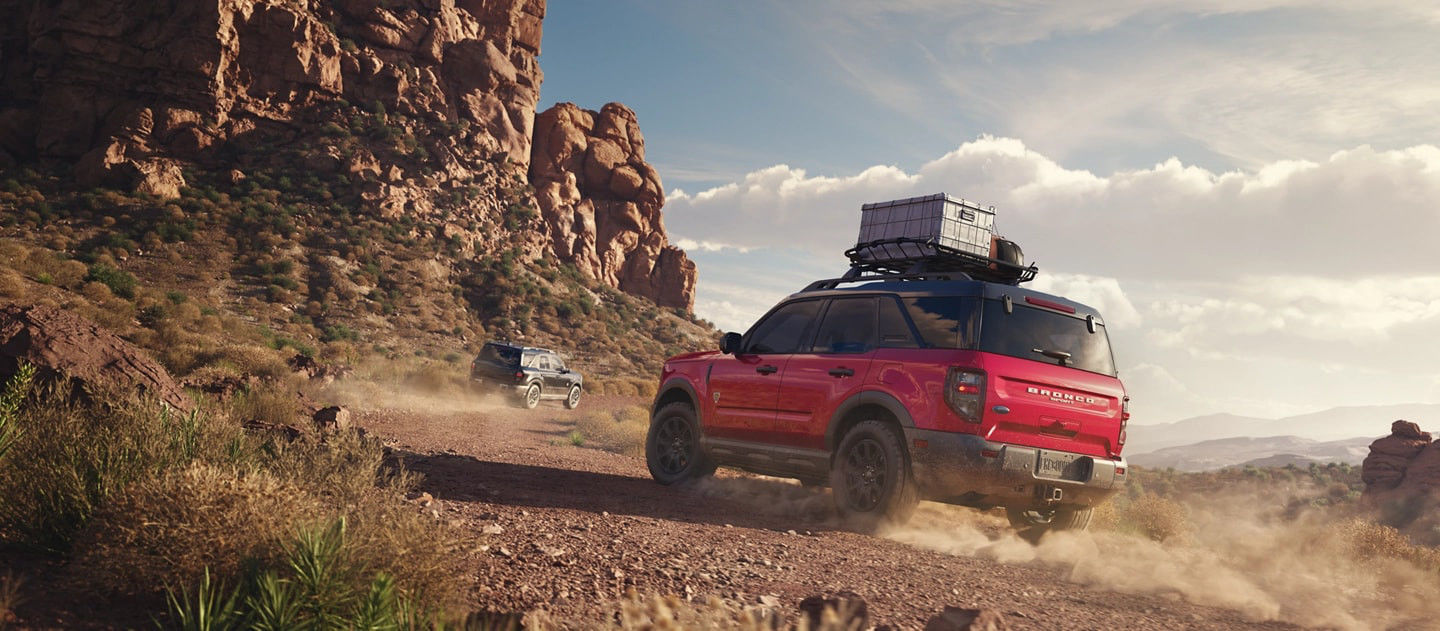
{"x":1029,"y":331}
{"x":503,"y":355}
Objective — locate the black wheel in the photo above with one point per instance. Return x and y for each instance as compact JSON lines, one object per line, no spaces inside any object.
{"x":870,"y":477}
{"x":572,"y":400}
{"x":1041,"y":520}
{"x":531,"y":397}
{"x":672,"y":447}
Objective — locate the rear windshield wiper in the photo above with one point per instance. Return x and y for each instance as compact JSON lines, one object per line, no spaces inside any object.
{"x":1060,"y":356}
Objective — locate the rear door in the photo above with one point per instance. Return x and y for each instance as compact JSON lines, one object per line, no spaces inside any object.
{"x":818,"y":378}
{"x":1054,"y":372}
{"x":744,"y":388}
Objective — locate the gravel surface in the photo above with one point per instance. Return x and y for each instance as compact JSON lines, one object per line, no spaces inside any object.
{"x":570,"y":529}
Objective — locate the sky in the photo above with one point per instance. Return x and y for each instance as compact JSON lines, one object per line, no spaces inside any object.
{"x":1248,"y":191}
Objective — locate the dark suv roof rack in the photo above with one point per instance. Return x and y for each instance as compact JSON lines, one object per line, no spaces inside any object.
{"x":906,"y":258}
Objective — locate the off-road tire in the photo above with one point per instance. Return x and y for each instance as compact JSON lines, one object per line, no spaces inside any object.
{"x":673,"y":451}
{"x":572,"y":400}
{"x":870,"y":477}
{"x":531,"y":398}
{"x":1039,"y":521}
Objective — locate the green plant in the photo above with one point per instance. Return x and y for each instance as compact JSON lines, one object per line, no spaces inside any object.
{"x":577,"y":439}
{"x":9,"y":597}
{"x":209,"y":608}
{"x":14,"y":394}
{"x":120,"y":282}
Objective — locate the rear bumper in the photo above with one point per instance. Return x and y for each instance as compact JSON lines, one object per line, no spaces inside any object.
{"x":486,"y":384}
{"x":967,"y":469}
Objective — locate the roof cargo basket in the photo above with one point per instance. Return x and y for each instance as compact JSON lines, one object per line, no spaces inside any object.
{"x":908,"y":256}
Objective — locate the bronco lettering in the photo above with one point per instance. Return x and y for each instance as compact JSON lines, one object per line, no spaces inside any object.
{"x":1055,"y":395}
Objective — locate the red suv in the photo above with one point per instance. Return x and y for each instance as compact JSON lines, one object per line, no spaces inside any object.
{"x":901,"y":388}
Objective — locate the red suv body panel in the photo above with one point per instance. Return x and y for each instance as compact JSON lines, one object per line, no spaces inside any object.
{"x":1043,"y":425}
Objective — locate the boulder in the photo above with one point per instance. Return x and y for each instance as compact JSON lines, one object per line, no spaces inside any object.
{"x":61,"y":344}
{"x":332,"y":419}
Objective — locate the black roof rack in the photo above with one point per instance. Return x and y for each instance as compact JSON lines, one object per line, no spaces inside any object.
{"x":854,"y":277}
{"x":908,"y":258}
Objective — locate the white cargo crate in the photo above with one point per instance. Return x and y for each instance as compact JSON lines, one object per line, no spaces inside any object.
{"x":931,"y":220}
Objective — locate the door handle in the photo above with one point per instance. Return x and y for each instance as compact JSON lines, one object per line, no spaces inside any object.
{"x":842,"y":372}
{"x":767,"y":369}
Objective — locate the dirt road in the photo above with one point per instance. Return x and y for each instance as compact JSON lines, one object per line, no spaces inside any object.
{"x":569,"y":529}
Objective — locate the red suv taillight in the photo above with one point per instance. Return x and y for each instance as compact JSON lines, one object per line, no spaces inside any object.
{"x":1124,"y":418}
{"x":965,"y":393}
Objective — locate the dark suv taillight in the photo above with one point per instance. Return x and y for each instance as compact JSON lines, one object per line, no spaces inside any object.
{"x":519,"y":375}
{"x":965,"y":393}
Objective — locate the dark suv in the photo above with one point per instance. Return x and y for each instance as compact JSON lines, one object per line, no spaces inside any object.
{"x":896,"y":388}
{"x":529,"y":374}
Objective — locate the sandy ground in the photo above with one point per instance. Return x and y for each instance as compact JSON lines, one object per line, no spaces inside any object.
{"x":570,"y":529}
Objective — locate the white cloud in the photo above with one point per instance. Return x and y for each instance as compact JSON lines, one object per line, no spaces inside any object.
{"x":1286,"y":288}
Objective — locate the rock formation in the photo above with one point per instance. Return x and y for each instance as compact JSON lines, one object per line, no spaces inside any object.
{"x":1402,"y":480}
{"x":64,"y":345}
{"x":125,"y":85}
{"x":600,"y":202}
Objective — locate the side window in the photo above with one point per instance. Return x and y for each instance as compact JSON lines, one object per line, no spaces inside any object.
{"x":848,"y":327}
{"x":946,"y":321}
{"x":542,"y":362}
{"x":556,"y":364}
{"x":784,"y":330}
{"x":894,"y":330}
{"x":528,"y":360}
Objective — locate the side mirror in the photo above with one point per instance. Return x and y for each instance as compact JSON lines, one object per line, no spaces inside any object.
{"x":730,"y":344}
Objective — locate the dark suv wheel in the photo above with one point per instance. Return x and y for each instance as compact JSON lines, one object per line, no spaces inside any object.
{"x":870,"y":477}
{"x":672,"y":447}
{"x":572,"y":400}
{"x":1042,"y":520}
{"x":531,"y":398}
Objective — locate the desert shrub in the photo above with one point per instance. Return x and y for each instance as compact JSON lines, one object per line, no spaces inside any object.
{"x":83,"y":450}
{"x":9,"y":598}
{"x":12,"y":285}
{"x":621,"y":431}
{"x":269,"y":403}
{"x":1368,"y":540}
{"x":120,"y":282}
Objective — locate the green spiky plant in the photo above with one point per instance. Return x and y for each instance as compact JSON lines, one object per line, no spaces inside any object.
{"x":15,"y":391}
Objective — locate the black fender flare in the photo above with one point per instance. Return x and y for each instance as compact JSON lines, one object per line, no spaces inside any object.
{"x":867,"y":397}
{"x":681,"y":384}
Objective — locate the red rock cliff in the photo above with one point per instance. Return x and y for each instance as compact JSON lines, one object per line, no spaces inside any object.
{"x":601,"y":201}
{"x":132,"y":92}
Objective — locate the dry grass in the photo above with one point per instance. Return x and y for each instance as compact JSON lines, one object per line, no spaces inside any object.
{"x":268,"y":402}
{"x":80,"y":454}
{"x":621,"y":431}
{"x":1368,"y":540}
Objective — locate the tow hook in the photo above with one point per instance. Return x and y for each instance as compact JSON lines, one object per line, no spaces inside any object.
{"x":1049,"y":494}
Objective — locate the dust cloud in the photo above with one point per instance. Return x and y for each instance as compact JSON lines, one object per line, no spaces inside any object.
{"x":1238,"y":553}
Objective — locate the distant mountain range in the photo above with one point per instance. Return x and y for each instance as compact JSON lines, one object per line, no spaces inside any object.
{"x":1340,"y":434}
{"x":1272,"y":451}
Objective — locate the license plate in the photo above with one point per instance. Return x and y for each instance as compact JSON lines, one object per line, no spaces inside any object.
{"x":1062,"y":466}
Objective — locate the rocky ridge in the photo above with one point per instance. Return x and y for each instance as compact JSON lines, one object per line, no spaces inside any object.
{"x":138,"y":94}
